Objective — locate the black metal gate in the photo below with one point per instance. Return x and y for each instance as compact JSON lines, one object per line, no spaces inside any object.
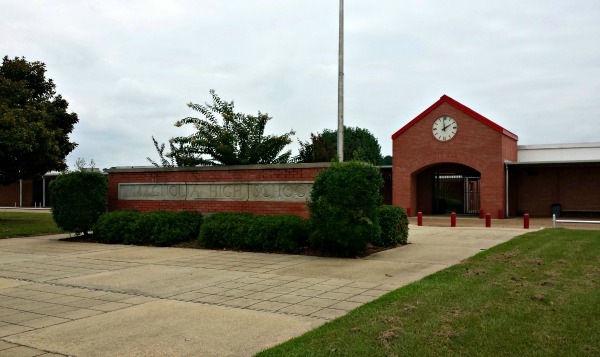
{"x":455,"y":193}
{"x":471,"y":205}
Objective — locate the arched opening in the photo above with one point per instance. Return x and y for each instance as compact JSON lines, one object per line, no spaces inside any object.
{"x":448,"y":187}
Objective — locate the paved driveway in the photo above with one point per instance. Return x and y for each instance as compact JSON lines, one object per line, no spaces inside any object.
{"x":66,"y":298}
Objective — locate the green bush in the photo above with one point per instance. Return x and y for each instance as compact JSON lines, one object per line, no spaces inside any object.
{"x":394,"y":226}
{"x":116,"y":227}
{"x":344,"y":203}
{"x":245,"y":231}
{"x":78,"y":200}
{"x":225,"y":230}
{"x":286,"y":233}
{"x":165,"y":228}
{"x":156,"y":228}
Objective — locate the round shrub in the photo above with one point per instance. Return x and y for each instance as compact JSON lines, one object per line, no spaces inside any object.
{"x":394,"y":226}
{"x":225,"y":230}
{"x":78,"y":200}
{"x":193,"y":222}
{"x":116,"y":227}
{"x":343,"y":205}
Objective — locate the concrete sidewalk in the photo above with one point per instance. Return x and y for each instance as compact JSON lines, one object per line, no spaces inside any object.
{"x":82,"y":299}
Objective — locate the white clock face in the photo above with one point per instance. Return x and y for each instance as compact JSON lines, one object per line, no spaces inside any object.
{"x":444,"y":128}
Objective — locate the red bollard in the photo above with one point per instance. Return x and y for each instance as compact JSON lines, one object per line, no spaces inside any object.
{"x":419,"y":218}
{"x":488,"y":220}
{"x":408,"y":211}
{"x":453,"y":219}
{"x":500,"y":214}
{"x":481,"y":213}
{"x":526,"y":221}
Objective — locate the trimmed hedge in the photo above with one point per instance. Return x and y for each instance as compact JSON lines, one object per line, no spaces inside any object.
{"x":116,"y":227}
{"x":78,"y":200}
{"x":287,"y":233}
{"x":394,"y":226}
{"x":165,"y":228}
{"x":159,"y":228}
{"x":225,"y":230}
{"x":344,"y":203}
{"x":263,"y":233}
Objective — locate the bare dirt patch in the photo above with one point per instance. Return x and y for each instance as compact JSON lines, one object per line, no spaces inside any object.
{"x":538,"y":297}
{"x":387,"y":336}
{"x":409,"y":307}
{"x":446,"y":332}
{"x":534,"y":261}
{"x":473,"y":272}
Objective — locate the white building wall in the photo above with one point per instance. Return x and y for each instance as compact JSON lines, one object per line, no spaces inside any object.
{"x":559,"y":152}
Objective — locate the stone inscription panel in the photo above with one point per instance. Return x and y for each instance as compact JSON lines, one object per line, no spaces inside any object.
{"x":280,"y":191}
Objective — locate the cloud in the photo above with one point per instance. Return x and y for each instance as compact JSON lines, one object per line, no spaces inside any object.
{"x":129,"y":68}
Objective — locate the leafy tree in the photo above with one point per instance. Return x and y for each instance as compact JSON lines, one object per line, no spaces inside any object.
{"x":359,"y":144}
{"x":34,"y":122}
{"x":387,"y":160}
{"x":81,"y":165}
{"x":160,"y":149}
{"x":233,"y":139}
{"x":317,"y":149}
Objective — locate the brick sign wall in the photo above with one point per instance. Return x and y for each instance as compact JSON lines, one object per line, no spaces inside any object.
{"x":264,"y":189}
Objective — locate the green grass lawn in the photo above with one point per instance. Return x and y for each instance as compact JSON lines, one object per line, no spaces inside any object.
{"x":536,"y":295}
{"x":13,"y":224}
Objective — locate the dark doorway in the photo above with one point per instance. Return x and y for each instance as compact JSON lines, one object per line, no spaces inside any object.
{"x":455,"y":193}
{"x":448,"y":187}
{"x":41,"y":192}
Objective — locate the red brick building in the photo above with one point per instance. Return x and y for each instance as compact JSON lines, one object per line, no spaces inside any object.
{"x":447,"y":159}
{"x":27,"y":193}
{"x":453,"y":159}
{"x":565,"y":177}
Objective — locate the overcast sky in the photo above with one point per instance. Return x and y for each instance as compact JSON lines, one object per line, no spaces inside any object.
{"x":128,"y":68}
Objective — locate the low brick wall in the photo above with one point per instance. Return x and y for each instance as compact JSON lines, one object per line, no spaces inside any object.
{"x":262,"y":189}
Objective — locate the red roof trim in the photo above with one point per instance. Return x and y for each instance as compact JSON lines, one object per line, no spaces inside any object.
{"x":465,"y":109}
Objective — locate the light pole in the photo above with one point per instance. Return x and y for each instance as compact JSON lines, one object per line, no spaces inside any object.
{"x":340,"y":136}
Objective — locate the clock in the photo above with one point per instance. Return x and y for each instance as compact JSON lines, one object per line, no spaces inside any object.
{"x":444,"y":128}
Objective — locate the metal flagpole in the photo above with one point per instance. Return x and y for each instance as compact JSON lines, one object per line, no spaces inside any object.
{"x":340,"y":136}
